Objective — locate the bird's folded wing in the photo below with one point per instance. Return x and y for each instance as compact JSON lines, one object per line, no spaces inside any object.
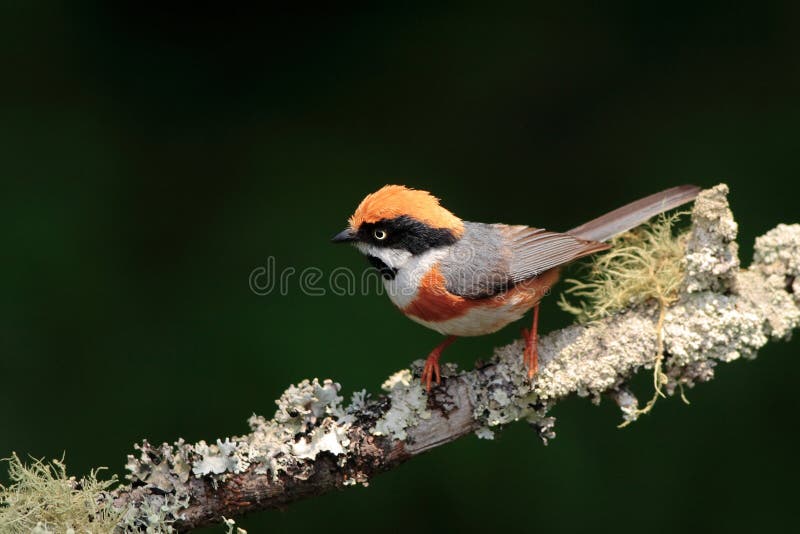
{"x":491,"y":258}
{"x":477,"y":266}
{"x":535,"y":250}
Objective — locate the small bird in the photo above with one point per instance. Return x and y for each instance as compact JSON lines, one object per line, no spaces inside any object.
{"x":464,"y":278}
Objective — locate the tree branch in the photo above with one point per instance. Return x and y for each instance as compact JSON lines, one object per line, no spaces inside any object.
{"x":314,"y":444}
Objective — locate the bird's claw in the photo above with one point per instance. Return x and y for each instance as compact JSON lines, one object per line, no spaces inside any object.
{"x":431,"y":371}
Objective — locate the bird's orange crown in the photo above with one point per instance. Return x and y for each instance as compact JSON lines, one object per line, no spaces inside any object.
{"x":392,"y":201}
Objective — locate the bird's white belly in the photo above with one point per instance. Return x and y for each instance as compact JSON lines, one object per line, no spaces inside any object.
{"x":479,"y":320}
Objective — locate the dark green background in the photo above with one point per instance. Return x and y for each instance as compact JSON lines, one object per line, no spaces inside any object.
{"x":150,"y":158}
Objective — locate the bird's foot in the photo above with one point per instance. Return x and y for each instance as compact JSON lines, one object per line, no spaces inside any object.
{"x":431,"y":368}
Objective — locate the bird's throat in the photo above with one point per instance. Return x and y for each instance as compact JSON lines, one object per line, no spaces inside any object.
{"x":388,"y":273}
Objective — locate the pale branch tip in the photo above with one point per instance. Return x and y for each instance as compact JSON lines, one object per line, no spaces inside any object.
{"x":315,"y":442}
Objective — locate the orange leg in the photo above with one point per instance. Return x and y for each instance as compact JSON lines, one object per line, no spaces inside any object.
{"x":432,"y":363}
{"x":531,"y":354}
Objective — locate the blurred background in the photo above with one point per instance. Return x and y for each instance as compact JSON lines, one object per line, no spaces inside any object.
{"x":151,"y":158}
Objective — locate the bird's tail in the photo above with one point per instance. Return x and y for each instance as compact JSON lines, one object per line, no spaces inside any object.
{"x":632,"y":215}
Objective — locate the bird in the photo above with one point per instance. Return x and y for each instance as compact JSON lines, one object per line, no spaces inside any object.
{"x":463,"y":278}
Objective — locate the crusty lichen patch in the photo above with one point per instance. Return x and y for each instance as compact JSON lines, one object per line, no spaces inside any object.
{"x":588,"y":360}
{"x":497,"y":409}
{"x":231,"y":527}
{"x":504,"y":394}
{"x":712,"y":326}
{"x":583,"y":359}
{"x":727,"y":313}
{"x":161,"y":473}
{"x":218,"y":458}
{"x":712,"y":260}
{"x":309,"y":420}
{"x":778,"y":251}
{"x":408,"y":405}
{"x":776,"y":293}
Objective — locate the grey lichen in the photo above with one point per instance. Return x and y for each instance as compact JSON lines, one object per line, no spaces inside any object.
{"x":164,"y":467}
{"x":159,"y":475}
{"x":776,"y":292}
{"x":217,"y":459}
{"x":302,"y":406}
{"x":484,"y":432}
{"x":328,"y":437}
{"x":583,"y":359}
{"x":231,"y":527}
{"x":309,"y":420}
{"x":588,"y":360}
{"x":778,"y":251}
{"x":304,"y":425}
{"x":152,"y":513}
{"x":408,"y":405}
{"x":711,"y":326}
{"x":627,"y":402}
{"x":502,"y":393}
{"x":712,"y":260}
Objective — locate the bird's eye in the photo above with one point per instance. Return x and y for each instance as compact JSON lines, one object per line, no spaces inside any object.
{"x":380,"y":235}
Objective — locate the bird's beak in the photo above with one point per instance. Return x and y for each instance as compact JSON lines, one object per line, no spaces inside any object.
{"x":345,"y":236}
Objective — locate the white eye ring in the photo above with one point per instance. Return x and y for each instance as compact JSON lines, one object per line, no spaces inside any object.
{"x":380,"y":235}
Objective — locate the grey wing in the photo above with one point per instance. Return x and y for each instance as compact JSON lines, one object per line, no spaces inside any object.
{"x":478,"y":265}
{"x":491,"y":258}
{"x":536,"y":250}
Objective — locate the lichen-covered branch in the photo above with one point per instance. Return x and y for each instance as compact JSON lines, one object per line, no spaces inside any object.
{"x":316,"y":443}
